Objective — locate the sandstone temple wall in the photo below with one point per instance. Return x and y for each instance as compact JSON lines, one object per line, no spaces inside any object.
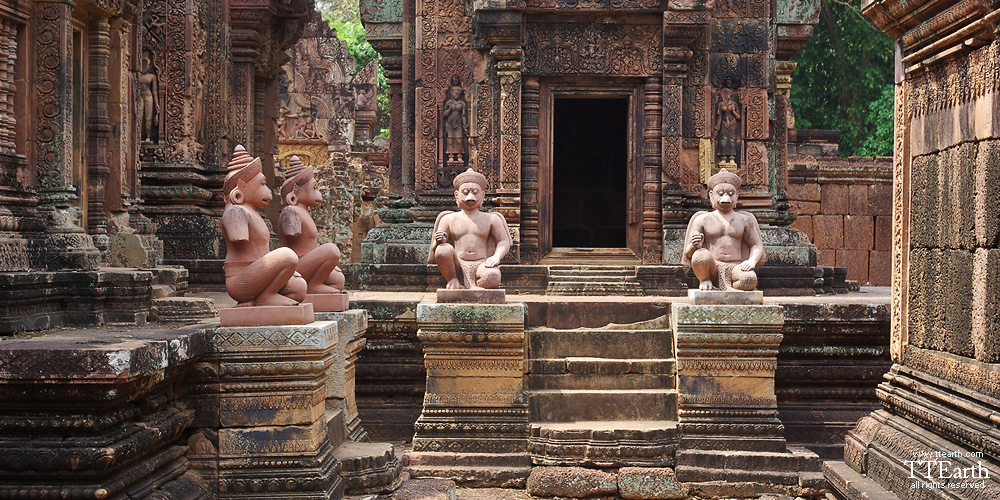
{"x":942,"y":390}
{"x":844,"y":207}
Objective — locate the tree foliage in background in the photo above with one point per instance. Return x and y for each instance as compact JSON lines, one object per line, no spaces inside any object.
{"x":344,"y":17}
{"x":844,"y":81}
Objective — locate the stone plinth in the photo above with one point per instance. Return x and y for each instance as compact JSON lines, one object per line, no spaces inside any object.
{"x":272,"y":433}
{"x":728,"y":297}
{"x":474,"y":423}
{"x":340,"y":395}
{"x":327,"y":302}
{"x":301,"y":314}
{"x":472,"y":296}
{"x":727,"y":410}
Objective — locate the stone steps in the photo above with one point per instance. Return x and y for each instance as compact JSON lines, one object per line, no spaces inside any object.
{"x":601,"y":397}
{"x":472,"y":470}
{"x":599,"y":343}
{"x":647,"y":443}
{"x":568,"y":405}
{"x":593,"y":280}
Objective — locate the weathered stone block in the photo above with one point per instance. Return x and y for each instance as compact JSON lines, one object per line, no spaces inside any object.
{"x":924,"y":205}
{"x":572,"y":482}
{"x":858,"y":199}
{"x":883,"y":233}
{"x":859,"y":232}
{"x":826,"y":257}
{"x":804,"y":223}
{"x":986,"y":196}
{"x":242,"y":442}
{"x":644,"y":483}
{"x":985,"y":297}
{"x":804,"y":192}
{"x":879,"y":268}
{"x":805,"y":207}
{"x":828,"y":231}
{"x":835,"y":198}
{"x":856,"y":262}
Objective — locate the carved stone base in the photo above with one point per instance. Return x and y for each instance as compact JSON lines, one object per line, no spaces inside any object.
{"x":368,"y":468}
{"x":269,"y":396}
{"x":327,"y":302}
{"x":727,"y":409}
{"x":474,"y":424}
{"x":472,"y":296}
{"x":301,"y":314}
{"x":729,"y":297}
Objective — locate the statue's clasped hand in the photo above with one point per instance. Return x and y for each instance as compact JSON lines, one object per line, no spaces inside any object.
{"x":697,"y":239}
{"x":441,"y":237}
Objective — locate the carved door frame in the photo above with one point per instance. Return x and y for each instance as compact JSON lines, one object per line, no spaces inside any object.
{"x":629,"y":88}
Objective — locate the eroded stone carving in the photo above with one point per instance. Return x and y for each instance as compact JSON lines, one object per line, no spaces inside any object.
{"x":724,"y":246}
{"x":727,"y":126}
{"x":318,"y":264}
{"x":254,"y":276}
{"x":467,"y":245}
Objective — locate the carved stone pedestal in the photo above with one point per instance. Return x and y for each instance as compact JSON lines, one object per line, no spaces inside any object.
{"x":272,"y":433}
{"x":474,"y":424}
{"x":727,"y":410}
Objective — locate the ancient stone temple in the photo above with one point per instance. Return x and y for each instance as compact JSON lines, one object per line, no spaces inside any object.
{"x":934,"y":436}
{"x":596,"y":122}
{"x":117,"y":118}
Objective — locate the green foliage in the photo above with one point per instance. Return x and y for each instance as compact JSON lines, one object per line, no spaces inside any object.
{"x":344,"y":18}
{"x":844,"y":80}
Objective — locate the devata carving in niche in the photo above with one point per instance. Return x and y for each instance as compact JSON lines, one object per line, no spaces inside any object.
{"x":148,"y":90}
{"x":727,"y":125}
{"x":456,"y":124}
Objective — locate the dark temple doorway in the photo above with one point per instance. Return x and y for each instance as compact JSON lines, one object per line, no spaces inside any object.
{"x":589,"y":172}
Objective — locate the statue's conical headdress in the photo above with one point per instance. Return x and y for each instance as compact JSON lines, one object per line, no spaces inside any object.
{"x":296,"y":174}
{"x":242,"y":167}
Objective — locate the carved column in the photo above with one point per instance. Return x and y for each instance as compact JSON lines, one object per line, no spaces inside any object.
{"x":782,"y":111}
{"x":68,"y":247}
{"x":674,"y":213}
{"x":242,"y":112}
{"x":529,"y":171}
{"x":509,"y":61}
{"x":8,"y":55}
{"x":652,"y":230}
{"x":98,"y":129}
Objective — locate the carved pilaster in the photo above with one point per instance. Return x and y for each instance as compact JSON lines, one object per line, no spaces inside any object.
{"x":53,"y":137}
{"x":509,"y":62}
{"x":529,"y":171}
{"x":8,"y":55}
{"x":52,"y":150}
{"x":98,"y":127}
{"x":652,"y":231}
{"x":674,"y":72}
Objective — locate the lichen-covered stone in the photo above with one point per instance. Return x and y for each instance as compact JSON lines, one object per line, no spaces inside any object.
{"x":572,"y":482}
{"x":644,"y":483}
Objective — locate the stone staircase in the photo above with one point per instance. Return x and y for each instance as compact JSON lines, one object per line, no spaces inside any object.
{"x":574,"y":279}
{"x":602,"y":397}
